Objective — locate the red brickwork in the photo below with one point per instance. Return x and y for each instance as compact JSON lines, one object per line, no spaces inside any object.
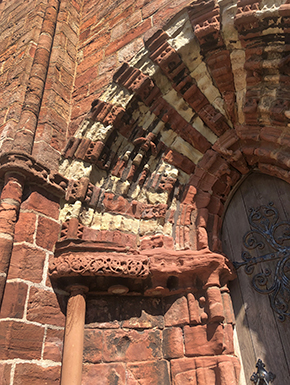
{"x":175,"y":323}
{"x":31,"y":324}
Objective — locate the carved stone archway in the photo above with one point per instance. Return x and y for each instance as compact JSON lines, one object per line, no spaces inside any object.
{"x":153,"y":163}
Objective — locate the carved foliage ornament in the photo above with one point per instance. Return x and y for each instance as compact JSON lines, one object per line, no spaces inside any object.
{"x":108,"y":265}
{"x":269,"y":231}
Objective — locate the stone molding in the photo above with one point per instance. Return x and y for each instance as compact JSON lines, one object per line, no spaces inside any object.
{"x":33,"y":171}
{"x":158,"y":267}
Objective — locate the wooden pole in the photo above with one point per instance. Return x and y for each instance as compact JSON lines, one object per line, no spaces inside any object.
{"x":72,"y":359}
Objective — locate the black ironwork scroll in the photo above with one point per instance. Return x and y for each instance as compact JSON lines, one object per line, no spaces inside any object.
{"x":262,"y":377}
{"x":267,"y":229}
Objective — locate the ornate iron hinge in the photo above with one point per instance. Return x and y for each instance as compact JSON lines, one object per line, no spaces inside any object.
{"x":262,"y":377}
{"x":267,"y":229}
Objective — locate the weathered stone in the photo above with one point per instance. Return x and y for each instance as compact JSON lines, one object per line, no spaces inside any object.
{"x":205,"y":370}
{"x":173,"y":346}
{"x":5,"y":370}
{"x":131,"y":346}
{"x":20,"y":340}
{"x":47,"y":233}
{"x":151,"y":373}
{"x":145,"y":321}
{"x":25,"y":227}
{"x":204,"y":340}
{"x":104,"y":374}
{"x":53,"y":345}
{"x":43,"y":307}
{"x":32,"y":374}
{"x":39,"y":202}
{"x":27,"y":263}
{"x":93,"y":346}
{"x":14,"y":299}
{"x":177,"y":312}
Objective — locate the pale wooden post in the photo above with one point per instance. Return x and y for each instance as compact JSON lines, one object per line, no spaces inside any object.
{"x":72,"y":359}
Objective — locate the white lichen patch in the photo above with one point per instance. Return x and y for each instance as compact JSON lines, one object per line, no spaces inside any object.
{"x":70,"y":210}
{"x":140,"y":58}
{"x":99,"y":132}
{"x":76,"y":169}
{"x":63,"y":165}
{"x":119,"y":187}
{"x":187,"y":47}
{"x":97,"y":221}
{"x":167,"y":229}
{"x":135,"y":192}
{"x":238,"y":59}
{"x":120,"y":222}
{"x":98,"y":176}
{"x":116,"y":95}
{"x":190,"y":55}
{"x":272,"y":31}
{"x":155,"y":198}
{"x":158,"y":128}
{"x":108,"y":221}
{"x":161,"y":81}
{"x":121,"y":145}
{"x":240,"y":75}
{"x":150,"y":226}
{"x":146,"y":120}
{"x":80,"y":133}
{"x":86,"y":216}
{"x":269,"y":8}
{"x":170,"y":171}
{"x":240,"y":100}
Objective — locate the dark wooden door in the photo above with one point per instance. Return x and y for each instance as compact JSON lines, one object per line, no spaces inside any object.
{"x":263,"y":233}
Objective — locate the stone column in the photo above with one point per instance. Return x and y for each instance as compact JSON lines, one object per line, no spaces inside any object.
{"x":72,"y":360}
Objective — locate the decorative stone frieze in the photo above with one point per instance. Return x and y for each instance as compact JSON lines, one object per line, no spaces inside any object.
{"x":163,"y":271}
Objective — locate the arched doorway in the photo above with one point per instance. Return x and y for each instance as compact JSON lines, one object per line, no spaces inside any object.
{"x":256,"y":237}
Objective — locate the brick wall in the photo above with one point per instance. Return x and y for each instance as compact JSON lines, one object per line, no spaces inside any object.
{"x":32,"y":319}
{"x":110,"y":34}
{"x":148,"y":338}
{"x":56,"y":57}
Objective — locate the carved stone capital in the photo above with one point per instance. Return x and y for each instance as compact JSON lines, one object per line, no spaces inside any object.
{"x":26,"y":165}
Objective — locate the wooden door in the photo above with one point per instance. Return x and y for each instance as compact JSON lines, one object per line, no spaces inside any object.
{"x":262,"y":320}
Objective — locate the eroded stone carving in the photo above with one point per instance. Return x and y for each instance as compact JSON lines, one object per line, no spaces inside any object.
{"x":90,"y":264}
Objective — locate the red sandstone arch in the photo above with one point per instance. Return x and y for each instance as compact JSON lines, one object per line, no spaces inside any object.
{"x":243,"y":128}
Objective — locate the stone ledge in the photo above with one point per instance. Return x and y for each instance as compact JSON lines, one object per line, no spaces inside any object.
{"x":99,"y":265}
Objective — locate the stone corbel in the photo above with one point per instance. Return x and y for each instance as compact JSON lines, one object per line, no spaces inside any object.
{"x":150,"y":272}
